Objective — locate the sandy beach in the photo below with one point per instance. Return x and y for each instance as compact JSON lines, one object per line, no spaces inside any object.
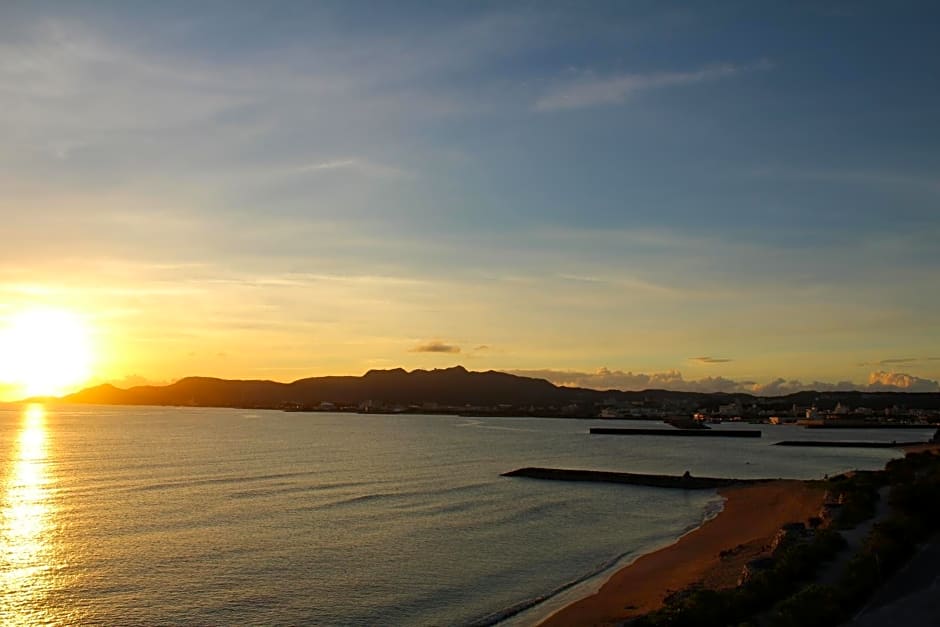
{"x":752,"y":515}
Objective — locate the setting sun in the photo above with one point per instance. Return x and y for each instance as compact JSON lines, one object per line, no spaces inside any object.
{"x":44,"y":352}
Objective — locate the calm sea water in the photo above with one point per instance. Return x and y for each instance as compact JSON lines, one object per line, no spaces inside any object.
{"x":115,"y":515}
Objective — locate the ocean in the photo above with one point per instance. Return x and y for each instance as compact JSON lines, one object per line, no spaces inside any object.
{"x":153,"y":515}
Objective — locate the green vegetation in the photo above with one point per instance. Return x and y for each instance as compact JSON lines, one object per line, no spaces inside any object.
{"x":793,"y":564}
{"x":786,"y":595}
{"x":858,"y":494}
{"x":915,"y":515}
{"x":813,"y":605}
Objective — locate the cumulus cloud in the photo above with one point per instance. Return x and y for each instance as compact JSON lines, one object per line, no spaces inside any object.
{"x":590,"y":90}
{"x":605,"y":379}
{"x":436,"y":346}
{"x":782,"y":387}
{"x":709,"y":360}
{"x":600,"y":379}
{"x":899,"y":381}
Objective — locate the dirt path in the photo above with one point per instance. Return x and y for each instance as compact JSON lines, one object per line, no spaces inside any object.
{"x":854,"y":538}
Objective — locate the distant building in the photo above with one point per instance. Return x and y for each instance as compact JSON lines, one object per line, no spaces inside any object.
{"x":840,"y":410}
{"x":731,"y":409}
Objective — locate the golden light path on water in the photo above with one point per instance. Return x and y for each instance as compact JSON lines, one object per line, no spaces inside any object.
{"x":28,"y":521}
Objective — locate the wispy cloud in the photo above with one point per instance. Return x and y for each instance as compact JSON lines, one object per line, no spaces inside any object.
{"x":148,"y":99}
{"x":709,"y":360}
{"x":628,"y":283}
{"x":436,"y":346}
{"x":898,"y":360}
{"x":481,"y":351}
{"x":590,"y":90}
{"x":363,"y":166}
{"x":924,"y":180}
{"x":327,"y":165}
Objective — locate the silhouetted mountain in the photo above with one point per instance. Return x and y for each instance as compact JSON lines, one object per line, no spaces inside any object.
{"x":455,"y":387}
{"x":452,"y":386}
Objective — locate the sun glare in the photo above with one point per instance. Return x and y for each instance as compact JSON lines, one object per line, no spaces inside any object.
{"x":44,"y":352}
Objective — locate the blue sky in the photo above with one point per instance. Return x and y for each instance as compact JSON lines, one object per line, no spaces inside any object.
{"x":579,"y":189}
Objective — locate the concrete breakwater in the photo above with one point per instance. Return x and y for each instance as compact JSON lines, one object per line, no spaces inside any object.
{"x":844,"y":444}
{"x":683,"y":482}
{"x":862,"y":424}
{"x":701,"y":433}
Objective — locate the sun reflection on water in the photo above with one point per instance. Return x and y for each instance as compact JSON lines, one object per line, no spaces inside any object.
{"x":28,"y":510}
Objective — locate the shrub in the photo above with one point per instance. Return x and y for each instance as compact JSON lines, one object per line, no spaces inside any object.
{"x":813,"y":606}
{"x":915,"y":503}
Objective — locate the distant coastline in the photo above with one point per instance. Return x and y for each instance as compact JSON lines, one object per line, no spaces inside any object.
{"x":457,"y":391}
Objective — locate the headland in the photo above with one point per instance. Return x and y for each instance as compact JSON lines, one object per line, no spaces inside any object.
{"x":776,"y":549}
{"x":752,"y":515}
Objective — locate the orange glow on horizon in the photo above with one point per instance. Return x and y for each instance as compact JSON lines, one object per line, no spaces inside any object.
{"x":45,"y":352}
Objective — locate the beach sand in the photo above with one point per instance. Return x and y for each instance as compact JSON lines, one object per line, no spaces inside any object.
{"x":751,"y":517}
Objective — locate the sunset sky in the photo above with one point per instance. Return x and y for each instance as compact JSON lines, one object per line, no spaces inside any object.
{"x":743,"y":195}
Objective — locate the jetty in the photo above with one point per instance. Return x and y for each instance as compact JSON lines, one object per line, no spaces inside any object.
{"x":862,"y":424}
{"x":845,"y":444}
{"x":698,"y":433}
{"x":682,"y":482}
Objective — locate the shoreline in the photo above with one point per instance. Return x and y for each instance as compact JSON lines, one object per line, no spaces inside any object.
{"x":751,"y":516}
{"x":541,"y":611}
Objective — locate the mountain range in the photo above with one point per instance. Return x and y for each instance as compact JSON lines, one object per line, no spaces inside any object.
{"x":452,"y":387}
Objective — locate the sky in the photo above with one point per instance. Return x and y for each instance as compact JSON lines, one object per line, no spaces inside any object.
{"x":707,"y":196}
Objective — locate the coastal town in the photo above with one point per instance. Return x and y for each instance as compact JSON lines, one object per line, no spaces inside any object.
{"x":820,"y":412}
{"x":458,"y":391}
